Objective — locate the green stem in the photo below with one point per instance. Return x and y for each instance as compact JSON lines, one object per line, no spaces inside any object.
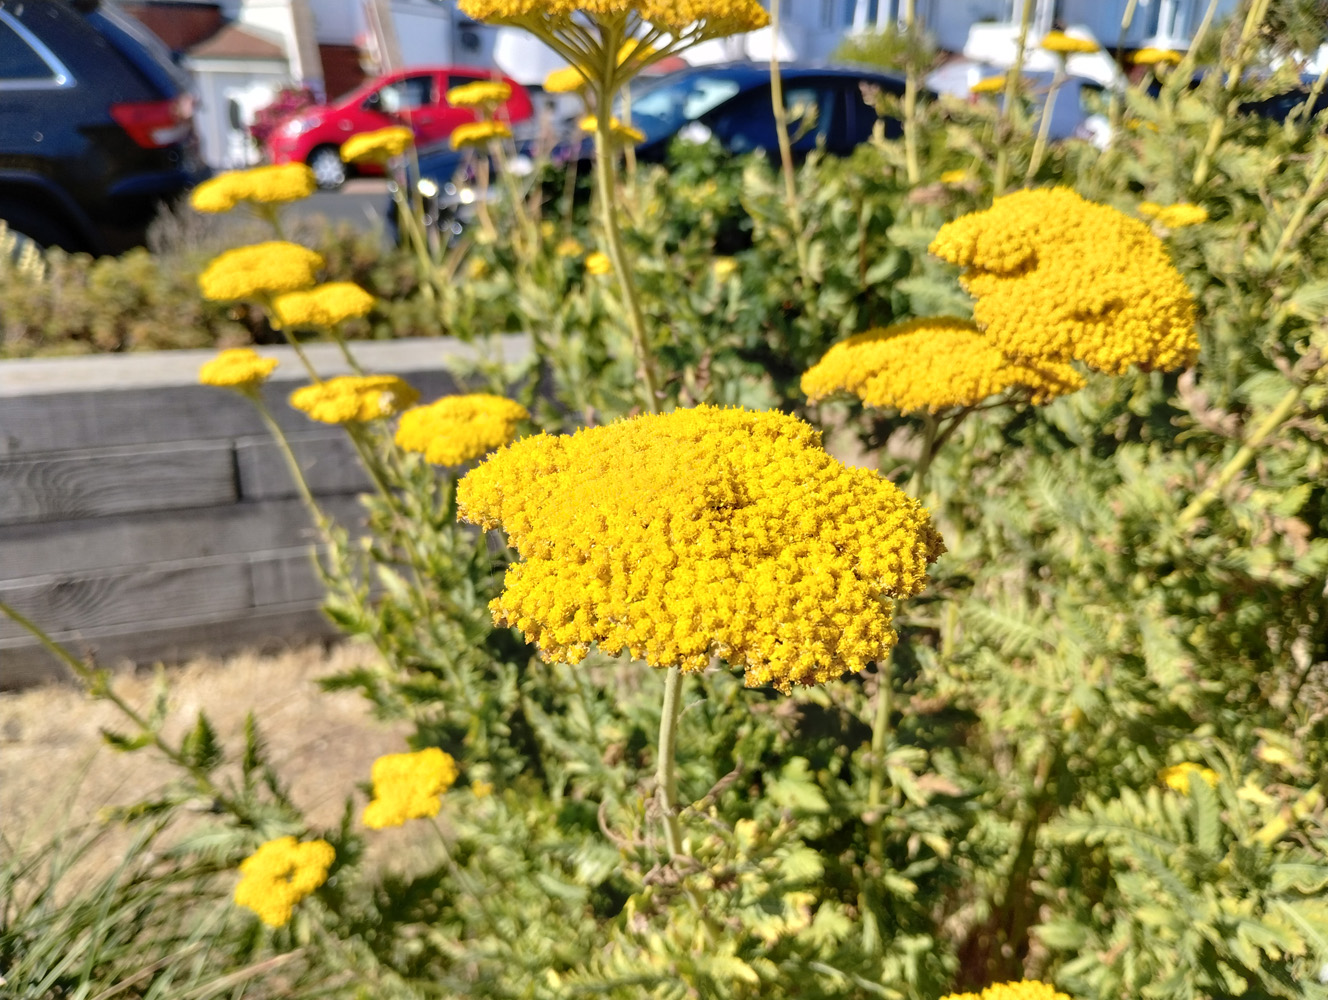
{"x":415,"y":236}
{"x":786,"y":154}
{"x":607,"y":183}
{"x":297,"y":473}
{"x":524,"y":221}
{"x":666,"y":767}
{"x":1308,"y":198}
{"x":911,"y":98}
{"x":1044,"y":126}
{"x":1253,"y":19}
{"x":1312,"y":99}
{"x":1012,"y":83}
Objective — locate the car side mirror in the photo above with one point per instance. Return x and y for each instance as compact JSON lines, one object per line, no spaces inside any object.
{"x":374,"y":102}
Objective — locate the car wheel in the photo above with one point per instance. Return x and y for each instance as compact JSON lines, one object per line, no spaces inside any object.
{"x":30,"y":226}
{"x":329,"y":170}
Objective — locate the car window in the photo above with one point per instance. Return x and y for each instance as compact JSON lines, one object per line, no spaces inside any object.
{"x":747,"y":123}
{"x":663,"y":109}
{"x":862,"y":115}
{"x":18,"y":61}
{"x":406,"y":95}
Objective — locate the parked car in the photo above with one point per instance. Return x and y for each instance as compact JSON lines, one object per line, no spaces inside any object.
{"x":414,"y":97}
{"x":96,"y":126}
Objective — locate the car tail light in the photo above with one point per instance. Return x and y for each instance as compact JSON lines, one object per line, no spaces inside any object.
{"x":154,"y":124}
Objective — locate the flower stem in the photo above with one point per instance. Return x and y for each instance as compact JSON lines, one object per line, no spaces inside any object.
{"x":1044,"y":126}
{"x":297,"y":473}
{"x":666,"y":768}
{"x":1309,"y":197}
{"x":1012,"y":82}
{"x":786,"y":152}
{"x":1253,"y":19}
{"x":911,"y":161}
{"x":607,"y":180}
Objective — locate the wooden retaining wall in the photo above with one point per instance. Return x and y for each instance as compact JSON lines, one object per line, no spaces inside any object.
{"x":144,"y":517}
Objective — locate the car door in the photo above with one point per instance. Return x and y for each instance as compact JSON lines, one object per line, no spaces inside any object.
{"x":858,"y":98}
{"x":448,"y":117}
{"x":410,"y":101}
{"x":746,"y":124}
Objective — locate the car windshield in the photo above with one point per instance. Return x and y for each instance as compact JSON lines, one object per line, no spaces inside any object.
{"x":668,"y":106}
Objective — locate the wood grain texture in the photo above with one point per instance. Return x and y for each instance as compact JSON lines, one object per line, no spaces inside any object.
{"x":326,"y":458}
{"x":287,"y":577}
{"x":117,"y":481}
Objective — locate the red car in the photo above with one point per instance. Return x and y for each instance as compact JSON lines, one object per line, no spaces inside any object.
{"x":414,"y":97}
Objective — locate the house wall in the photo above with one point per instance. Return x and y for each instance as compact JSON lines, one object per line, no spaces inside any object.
{"x":144,"y":517}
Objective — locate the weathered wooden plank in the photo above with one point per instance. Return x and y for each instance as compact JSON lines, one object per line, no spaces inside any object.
{"x":104,"y":598}
{"x":327,"y":459}
{"x":128,"y":540}
{"x":170,"y":640}
{"x":285,"y":577}
{"x":116,"y":481}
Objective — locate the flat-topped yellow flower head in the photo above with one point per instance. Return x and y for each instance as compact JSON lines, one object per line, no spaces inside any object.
{"x":239,"y":368}
{"x":480,"y":94}
{"x":323,"y":305}
{"x":1176,"y":216}
{"x":267,"y":185}
{"x":460,"y":429}
{"x":378,"y":146}
{"x":1177,"y":776}
{"x":472,"y":134}
{"x":280,"y":874}
{"x":932,"y":364}
{"x":1059,"y":278}
{"x":702,"y":532}
{"x":1154,"y":57}
{"x":598,"y":263}
{"x":620,"y":132}
{"x":409,"y":786}
{"x":353,"y":399}
{"x":989,"y":85}
{"x":1028,"y":989}
{"x":1063,"y":44}
{"x":259,"y":270}
{"x":567,"y":80}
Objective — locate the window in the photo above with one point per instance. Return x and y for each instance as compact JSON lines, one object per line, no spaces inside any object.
{"x":827,"y":14}
{"x":662,"y":110}
{"x":406,"y":95}
{"x":20,"y":62}
{"x":748,"y":123}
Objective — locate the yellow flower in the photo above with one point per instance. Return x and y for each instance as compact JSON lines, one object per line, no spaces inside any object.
{"x":323,"y":305}
{"x":238,"y":368}
{"x":569,"y":247}
{"x":1028,"y":989}
{"x":1177,"y":776}
{"x":280,"y":874}
{"x":458,"y":429}
{"x":378,"y":146}
{"x":988,"y":85}
{"x":621,"y":132}
{"x":1058,"y":278}
{"x":408,"y":786}
{"x":724,"y":268}
{"x":598,"y":263}
{"x":258,"y":185}
{"x":702,"y":532}
{"x":567,"y":80}
{"x":547,"y":229}
{"x":932,"y":364}
{"x":482,"y":93}
{"x":481,"y":789}
{"x":1176,"y":216}
{"x":1058,"y":41}
{"x":707,"y":18}
{"x":954,"y":176}
{"x":633,"y":47}
{"x":478,"y":134}
{"x":1151,"y":57}
{"x":262,"y":269}
{"x":354,"y":398}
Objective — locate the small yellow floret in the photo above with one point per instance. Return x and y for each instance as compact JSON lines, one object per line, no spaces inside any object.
{"x":1151,"y":57}
{"x":1177,"y":776}
{"x":352,"y":399}
{"x":280,"y":874}
{"x":268,"y":185}
{"x":323,"y":305}
{"x":459,"y":429}
{"x":567,"y":80}
{"x":478,"y":134}
{"x":259,"y":270}
{"x":1059,"y":278}
{"x":989,"y":85}
{"x":724,"y":268}
{"x":1058,"y":41}
{"x":621,"y":132}
{"x":408,"y":786}
{"x":1176,"y":216}
{"x":702,"y":532}
{"x":1028,"y":989}
{"x":932,"y":364}
{"x":569,"y":247}
{"x":955,"y":176}
{"x":237,"y":368}
{"x":378,"y":146}
{"x":480,"y":94}
{"x":598,"y":263}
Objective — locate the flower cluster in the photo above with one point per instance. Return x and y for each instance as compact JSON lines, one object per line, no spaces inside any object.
{"x":569,"y":246}
{"x":725,"y":17}
{"x":932,"y":364}
{"x":324,"y":305}
{"x":1059,"y":278}
{"x":478,"y":134}
{"x":1177,"y":776}
{"x":1028,"y":989}
{"x":238,"y":368}
{"x":567,"y":80}
{"x":988,"y":85}
{"x":378,"y":146}
{"x":353,"y":399}
{"x":486,"y":94}
{"x":1152,"y":57}
{"x":459,"y":429}
{"x":1063,"y":44}
{"x":409,"y":786}
{"x":1176,"y":216}
{"x":259,"y":270}
{"x":268,"y":185}
{"x":280,"y":874}
{"x":621,"y":132}
{"x":702,"y":532}
{"x":598,"y":263}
